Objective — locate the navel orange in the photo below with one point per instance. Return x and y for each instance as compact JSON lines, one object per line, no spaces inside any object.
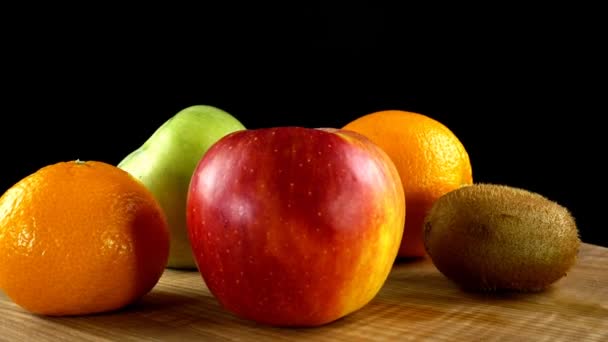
{"x":79,"y":238}
{"x":430,"y":159}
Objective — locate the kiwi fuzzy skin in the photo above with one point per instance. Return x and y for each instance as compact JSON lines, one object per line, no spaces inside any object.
{"x":488,"y":237}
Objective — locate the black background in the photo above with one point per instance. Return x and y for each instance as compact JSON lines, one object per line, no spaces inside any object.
{"x":522,"y":88}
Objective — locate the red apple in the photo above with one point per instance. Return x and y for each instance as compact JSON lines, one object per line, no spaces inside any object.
{"x":294,"y":226}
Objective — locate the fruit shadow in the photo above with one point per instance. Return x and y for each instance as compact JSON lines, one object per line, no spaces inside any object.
{"x":159,"y":315}
{"x":417,"y":290}
{"x":166,"y":316}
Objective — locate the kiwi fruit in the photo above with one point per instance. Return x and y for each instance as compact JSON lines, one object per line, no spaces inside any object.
{"x":488,"y":237}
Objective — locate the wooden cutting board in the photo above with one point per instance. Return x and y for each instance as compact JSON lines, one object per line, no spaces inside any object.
{"x":417,"y":303}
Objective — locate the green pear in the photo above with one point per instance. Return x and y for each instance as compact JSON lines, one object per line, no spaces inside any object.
{"x":166,"y":161}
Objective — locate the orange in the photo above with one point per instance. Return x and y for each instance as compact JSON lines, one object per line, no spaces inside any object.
{"x":79,"y":238}
{"x":430,"y":159}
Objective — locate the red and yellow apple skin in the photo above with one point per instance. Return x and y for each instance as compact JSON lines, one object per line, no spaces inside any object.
{"x":294,"y":226}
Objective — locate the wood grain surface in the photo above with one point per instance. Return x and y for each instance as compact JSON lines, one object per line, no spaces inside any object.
{"x":417,"y":303}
